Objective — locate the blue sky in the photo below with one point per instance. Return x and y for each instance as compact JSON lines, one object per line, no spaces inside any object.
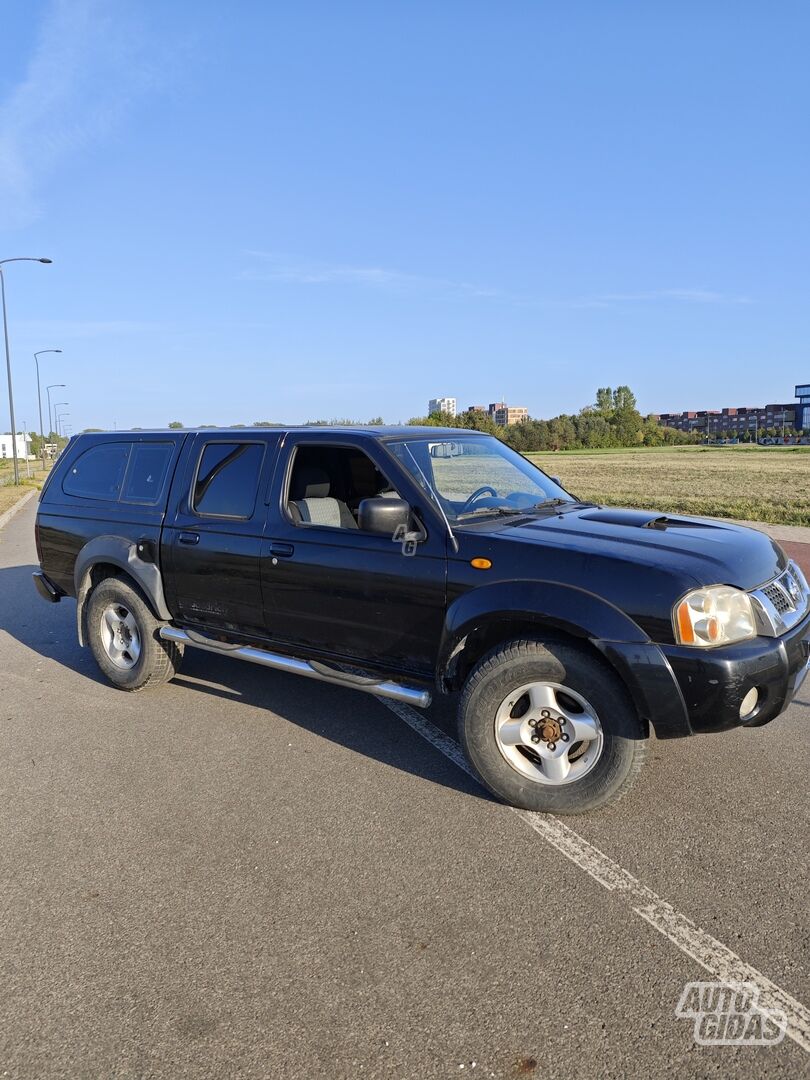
{"x":286,"y":211}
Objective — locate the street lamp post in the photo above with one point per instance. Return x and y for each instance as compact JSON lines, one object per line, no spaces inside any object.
{"x":58,"y":416}
{"x":25,"y":450}
{"x":39,"y":398}
{"x":8,"y":357}
{"x":53,"y":386}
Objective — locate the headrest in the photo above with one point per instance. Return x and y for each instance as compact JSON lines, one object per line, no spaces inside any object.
{"x":311,"y":483}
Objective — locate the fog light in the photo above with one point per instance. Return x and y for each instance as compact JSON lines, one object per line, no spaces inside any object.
{"x":749,"y":703}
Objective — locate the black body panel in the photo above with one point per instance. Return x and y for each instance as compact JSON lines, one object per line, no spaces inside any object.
{"x":345,"y":592}
{"x":212,"y":564}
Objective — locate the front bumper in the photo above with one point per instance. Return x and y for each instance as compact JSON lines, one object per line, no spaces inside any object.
{"x":681,"y":690}
{"x":714,"y":683}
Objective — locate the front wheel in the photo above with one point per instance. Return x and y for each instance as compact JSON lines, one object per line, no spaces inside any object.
{"x":548,"y":727}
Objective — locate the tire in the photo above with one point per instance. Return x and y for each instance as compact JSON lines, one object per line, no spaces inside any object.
{"x":134,"y":656}
{"x":517,"y":706}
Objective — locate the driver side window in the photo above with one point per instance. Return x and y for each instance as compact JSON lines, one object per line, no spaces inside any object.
{"x":328,"y":483}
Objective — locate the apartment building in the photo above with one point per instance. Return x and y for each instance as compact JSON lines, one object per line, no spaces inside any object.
{"x":733,"y":422}
{"x":501,"y":413}
{"x":442,"y":404}
{"x":504,"y":415}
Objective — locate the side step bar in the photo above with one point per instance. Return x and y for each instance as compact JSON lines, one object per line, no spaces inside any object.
{"x":313,"y":670}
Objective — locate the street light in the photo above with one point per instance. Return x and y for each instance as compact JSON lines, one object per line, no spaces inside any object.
{"x":53,"y":386}
{"x":25,"y":450}
{"x":58,"y":416}
{"x":25,"y":258}
{"x":39,"y":400}
{"x":39,"y":392}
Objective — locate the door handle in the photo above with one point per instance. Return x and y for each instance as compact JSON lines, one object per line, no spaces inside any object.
{"x":281,"y":550}
{"x":189,"y":538}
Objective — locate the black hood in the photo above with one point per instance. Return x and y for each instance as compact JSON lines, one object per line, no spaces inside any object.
{"x":710,"y":552}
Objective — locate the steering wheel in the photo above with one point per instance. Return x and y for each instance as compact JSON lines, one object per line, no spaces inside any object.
{"x":485,"y":490}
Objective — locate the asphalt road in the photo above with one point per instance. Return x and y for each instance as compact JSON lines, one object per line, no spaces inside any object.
{"x":246,"y":874}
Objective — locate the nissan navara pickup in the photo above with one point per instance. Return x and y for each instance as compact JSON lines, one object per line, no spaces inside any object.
{"x":408,"y":562}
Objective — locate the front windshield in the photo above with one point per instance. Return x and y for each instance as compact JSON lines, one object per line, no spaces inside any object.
{"x":474,"y":475}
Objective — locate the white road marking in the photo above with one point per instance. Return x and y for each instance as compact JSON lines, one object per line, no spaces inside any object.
{"x":710,"y":953}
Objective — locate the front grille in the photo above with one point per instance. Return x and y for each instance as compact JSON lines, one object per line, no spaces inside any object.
{"x":782,"y":602}
{"x":779,"y":598}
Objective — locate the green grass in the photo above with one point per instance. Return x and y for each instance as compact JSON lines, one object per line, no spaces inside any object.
{"x":10,"y":493}
{"x":745,"y":482}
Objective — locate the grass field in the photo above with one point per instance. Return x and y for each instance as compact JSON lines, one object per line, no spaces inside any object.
{"x":9,"y":493}
{"x":748,"y":483}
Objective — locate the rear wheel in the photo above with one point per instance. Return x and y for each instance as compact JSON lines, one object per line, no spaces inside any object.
{"x":548,"y":727}
{"x":124,"y":637}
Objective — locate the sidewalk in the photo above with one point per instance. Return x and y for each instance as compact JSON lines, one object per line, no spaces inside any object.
{"x":17,"y":506}
{"x":784,"y":534}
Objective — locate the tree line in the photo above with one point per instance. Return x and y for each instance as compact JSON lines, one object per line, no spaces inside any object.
{"x":613,"y":420}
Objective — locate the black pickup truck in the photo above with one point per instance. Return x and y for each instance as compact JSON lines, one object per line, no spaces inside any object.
{"x":407,"y":561}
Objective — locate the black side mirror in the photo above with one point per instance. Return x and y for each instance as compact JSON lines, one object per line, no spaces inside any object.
{"x":556,"y":480}
{"x":383,"y":516}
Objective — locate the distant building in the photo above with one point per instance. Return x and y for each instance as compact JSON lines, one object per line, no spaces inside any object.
{"x":802,"y":392}
{"x":732,"y":422}
{"x":442,"y":404}
{"x":23,"y":446}
{"x":504,"y":414}
{"x":477,"y":408}
{"x":790,"y":416}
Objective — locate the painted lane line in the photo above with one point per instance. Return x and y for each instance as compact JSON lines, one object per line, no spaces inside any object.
{"x":696,"y":943}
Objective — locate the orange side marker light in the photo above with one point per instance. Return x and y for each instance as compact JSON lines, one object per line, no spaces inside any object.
{"x":687,"y":634}
{"x":481,"y":564}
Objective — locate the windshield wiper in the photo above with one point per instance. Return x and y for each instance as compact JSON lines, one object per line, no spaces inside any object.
{"x":508,"y":510}
{"x":551,"y":502}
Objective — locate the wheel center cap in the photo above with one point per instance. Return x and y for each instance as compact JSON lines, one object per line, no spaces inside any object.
{"x":548,"y":729}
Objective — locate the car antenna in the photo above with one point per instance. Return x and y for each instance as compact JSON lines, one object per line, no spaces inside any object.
{"x":430,"y":488}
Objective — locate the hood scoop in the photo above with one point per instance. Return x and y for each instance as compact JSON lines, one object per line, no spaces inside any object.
{"x":641,"y":519}
{"x":665,"y":522}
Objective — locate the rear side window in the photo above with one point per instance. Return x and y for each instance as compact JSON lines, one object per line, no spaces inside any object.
{"x":98,"y":473}
{"x":147,"y":471}
{"x":228,"y":479}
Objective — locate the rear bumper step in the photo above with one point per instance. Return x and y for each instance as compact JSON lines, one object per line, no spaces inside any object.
{"x":46,"y":588}
{"x":407,"y":694}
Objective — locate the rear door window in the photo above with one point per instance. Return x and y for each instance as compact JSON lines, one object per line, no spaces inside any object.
{"x":147,"y":472}
{"x":98,"y":473}
{"x":227,"y":479}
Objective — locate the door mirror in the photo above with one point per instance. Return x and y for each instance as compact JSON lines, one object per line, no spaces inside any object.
{"x":556,"y":480}
{"x":383,"y":516}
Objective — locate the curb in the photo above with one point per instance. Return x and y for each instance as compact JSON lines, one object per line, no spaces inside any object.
{"x":786,"y":534}
{"x":9,"y":514}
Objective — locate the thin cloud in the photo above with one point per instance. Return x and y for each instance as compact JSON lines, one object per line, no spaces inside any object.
{"x":683,"y":296}
{"x":88,"y":65}
{"x":275,"y":267}
{"x":290,"y":270}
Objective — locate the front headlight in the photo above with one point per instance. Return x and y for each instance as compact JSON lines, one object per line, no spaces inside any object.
{"x":716,"y":615}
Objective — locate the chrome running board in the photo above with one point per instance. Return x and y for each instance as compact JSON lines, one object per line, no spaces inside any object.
{"x":309,"y":669}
